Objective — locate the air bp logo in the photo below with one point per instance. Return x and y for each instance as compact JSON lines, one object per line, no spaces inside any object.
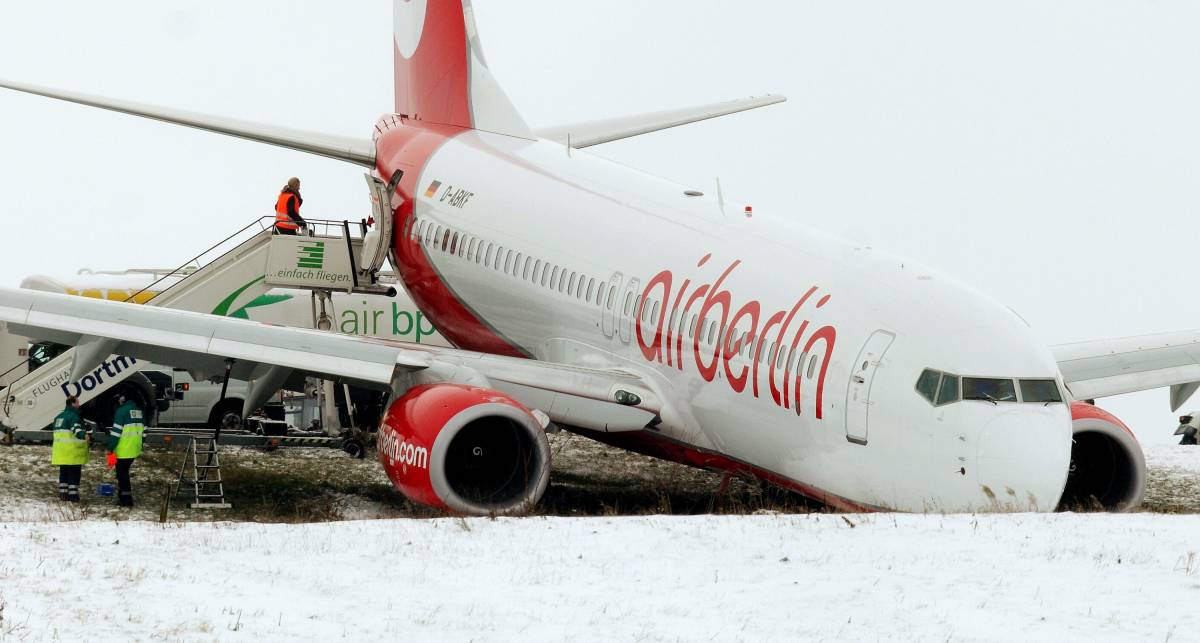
{"x":311,"y":255}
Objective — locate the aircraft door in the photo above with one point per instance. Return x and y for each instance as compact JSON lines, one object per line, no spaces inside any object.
{"x":377,"y":243}
{"x":858,"y":392}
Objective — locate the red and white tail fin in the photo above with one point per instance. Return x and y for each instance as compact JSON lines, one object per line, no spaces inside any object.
{"x":441,"y":76}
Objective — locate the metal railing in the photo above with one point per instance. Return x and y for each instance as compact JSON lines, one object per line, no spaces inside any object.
{"x":313,"y":227}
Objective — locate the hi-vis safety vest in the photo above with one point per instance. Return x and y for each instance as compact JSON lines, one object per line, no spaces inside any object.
{"x":128,"y":429}
{"x":69,"y":446}
{"x":282,"y":220}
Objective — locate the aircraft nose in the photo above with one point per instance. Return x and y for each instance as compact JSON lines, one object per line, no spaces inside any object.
{"x":1023,"y":455}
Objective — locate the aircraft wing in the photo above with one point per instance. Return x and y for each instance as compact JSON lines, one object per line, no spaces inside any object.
{"x":587,"y":134}
{"x":1114,"y":366}
{"x":597,"y":399}
{"x":343,"y":148}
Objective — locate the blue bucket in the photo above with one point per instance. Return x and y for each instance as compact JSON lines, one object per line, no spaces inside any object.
{"x":105,"y":489}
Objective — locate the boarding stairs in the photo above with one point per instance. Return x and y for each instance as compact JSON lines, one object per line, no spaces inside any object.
{"x":328,"y":256}
{"x":206,"y":484}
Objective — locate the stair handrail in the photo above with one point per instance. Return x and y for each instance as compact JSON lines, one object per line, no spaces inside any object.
{"x":181,"y":271}
{"x":196,"y":259}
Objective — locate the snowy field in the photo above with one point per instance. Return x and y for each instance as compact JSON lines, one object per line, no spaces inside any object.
{"x":722,"y":578}
{"x":93,"y":572}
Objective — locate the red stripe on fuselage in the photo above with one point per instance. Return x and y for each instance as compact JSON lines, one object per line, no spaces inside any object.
{"x":659,"y":446}
{"x":408,"y":147}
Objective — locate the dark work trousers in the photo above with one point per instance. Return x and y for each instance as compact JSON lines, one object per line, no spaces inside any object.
{"x":68,"y":481}
{"x":124,"y":486}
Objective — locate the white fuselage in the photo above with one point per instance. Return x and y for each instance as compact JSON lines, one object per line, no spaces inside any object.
{"x":509,"y":216}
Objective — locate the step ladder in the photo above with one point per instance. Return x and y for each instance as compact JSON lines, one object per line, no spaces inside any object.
{"x":206,"y":483}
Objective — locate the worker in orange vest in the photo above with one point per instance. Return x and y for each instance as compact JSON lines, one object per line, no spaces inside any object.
{"x":287,"y":208}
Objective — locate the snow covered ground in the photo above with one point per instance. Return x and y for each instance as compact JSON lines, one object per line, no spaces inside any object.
{"x":96,"y":573}
{"x":765,"y":577}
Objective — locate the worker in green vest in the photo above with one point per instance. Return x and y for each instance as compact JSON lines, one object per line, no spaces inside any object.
{"x":125,"y":443}
{"x":70,"y":450}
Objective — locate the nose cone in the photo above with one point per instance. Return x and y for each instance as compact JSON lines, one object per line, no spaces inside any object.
{"x":1023,"y":456}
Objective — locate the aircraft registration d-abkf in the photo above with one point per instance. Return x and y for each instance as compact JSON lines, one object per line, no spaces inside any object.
{"x":638,"y":312}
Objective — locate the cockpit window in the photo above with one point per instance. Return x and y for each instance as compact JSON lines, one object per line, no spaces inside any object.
{"x":988,"y":389}
{"x":948,"y":391}
{"x":927,"y":384}
{"x":1040,"y":391}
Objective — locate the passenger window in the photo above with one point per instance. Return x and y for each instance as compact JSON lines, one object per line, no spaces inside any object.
{"x":528,"y":267}
{"x":927,"y":384}
{"x":1040,"y":391}
{"x":487,"y":260}
{"x":628,"y":303}
{"x":988,"y":389}
{"x":508,"y":261}
{"x":692,"y":327}
{"x":812,"y":366}
{"x":612,"y":296}
{"x":654,"y":314}
{"x":590,"y":288}
{"x":948,"y":391}
{"x":562,"y":281}
{"x":553,"y":277}
{"x":500,"y":252}
{"x":600,"y":294}
{"x":571,"y":287}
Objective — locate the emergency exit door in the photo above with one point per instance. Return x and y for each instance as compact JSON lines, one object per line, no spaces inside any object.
{"x":858,"y":393}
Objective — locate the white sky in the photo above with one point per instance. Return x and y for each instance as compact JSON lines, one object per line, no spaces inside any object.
{"x":1045,"y":153}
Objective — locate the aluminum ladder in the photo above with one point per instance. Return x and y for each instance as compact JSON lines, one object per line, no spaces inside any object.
{"x":207,"y":485}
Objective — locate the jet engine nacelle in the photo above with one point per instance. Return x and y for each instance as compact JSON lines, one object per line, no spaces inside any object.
{"x":465,"y":449}
{"x":1107,"y":464}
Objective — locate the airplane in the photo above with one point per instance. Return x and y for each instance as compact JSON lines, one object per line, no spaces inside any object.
{"x":585,"y":295}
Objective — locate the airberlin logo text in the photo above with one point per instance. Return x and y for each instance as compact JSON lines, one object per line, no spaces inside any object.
{"x":755,"y":348}
{"x":401,"y":451}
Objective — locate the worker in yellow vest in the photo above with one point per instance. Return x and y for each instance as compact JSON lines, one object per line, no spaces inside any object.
{"x":70,"y":449}
{"x":287,"y":208}
{"x":125,"y":443}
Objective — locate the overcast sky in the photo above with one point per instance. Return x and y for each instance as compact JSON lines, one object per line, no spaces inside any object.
{"x":1044,"y":152}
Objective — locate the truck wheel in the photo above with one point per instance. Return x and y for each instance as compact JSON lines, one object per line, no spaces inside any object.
{"x":354,"y":448}
{"x":228,"y":415}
